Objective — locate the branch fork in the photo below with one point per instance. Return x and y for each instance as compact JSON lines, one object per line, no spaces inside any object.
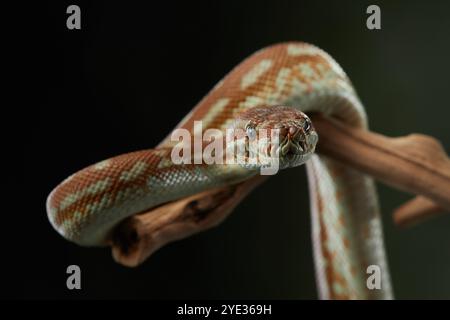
{"x":415,"y":163}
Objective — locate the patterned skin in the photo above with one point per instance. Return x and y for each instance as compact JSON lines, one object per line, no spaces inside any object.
{"x":346,"y":227}
{"x":294,"y":132}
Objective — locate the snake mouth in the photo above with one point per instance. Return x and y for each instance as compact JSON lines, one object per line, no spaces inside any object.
{"x":291,"y":148}
{"x":292,"y":153}
{"x":287,"y":149}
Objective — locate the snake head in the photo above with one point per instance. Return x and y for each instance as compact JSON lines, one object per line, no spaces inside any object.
{"x":276,"y":133}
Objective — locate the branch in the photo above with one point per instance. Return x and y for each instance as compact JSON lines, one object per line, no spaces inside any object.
{"x":415,"y":211}
{"x":415,"y":163}
{"x":135,"y":239}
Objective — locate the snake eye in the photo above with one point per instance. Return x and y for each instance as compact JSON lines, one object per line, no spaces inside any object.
{"x":307,"y":125}
{"x":251,"y":133}
{"x":250,"y":130}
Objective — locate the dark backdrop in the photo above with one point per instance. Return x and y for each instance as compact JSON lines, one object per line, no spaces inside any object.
{"x":134,"y":70}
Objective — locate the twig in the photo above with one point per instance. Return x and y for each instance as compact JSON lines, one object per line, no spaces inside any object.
{"x":415,"y":163}
{"x":415,"y":211}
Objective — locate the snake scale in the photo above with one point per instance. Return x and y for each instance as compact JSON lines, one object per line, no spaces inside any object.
{"x":346,"y":226}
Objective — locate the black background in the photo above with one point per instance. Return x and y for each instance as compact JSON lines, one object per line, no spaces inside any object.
{"x":134,"y":70}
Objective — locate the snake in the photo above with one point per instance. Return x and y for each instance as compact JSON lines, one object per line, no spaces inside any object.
{"x":274,"y":88}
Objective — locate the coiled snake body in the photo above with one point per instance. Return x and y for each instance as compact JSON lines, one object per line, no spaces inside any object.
{"x":346,"y":227}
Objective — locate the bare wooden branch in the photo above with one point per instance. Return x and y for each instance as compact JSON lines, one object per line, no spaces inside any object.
{"x":139,"y":236}
{"x":415,"y":211}
{"x":416,"y":163}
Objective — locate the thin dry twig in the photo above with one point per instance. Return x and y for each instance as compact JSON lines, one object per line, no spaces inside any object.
{"x":415,"y":211}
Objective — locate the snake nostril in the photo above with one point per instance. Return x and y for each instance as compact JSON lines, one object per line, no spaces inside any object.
{"x":293,"y":131}
{"x":283,"y":133}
